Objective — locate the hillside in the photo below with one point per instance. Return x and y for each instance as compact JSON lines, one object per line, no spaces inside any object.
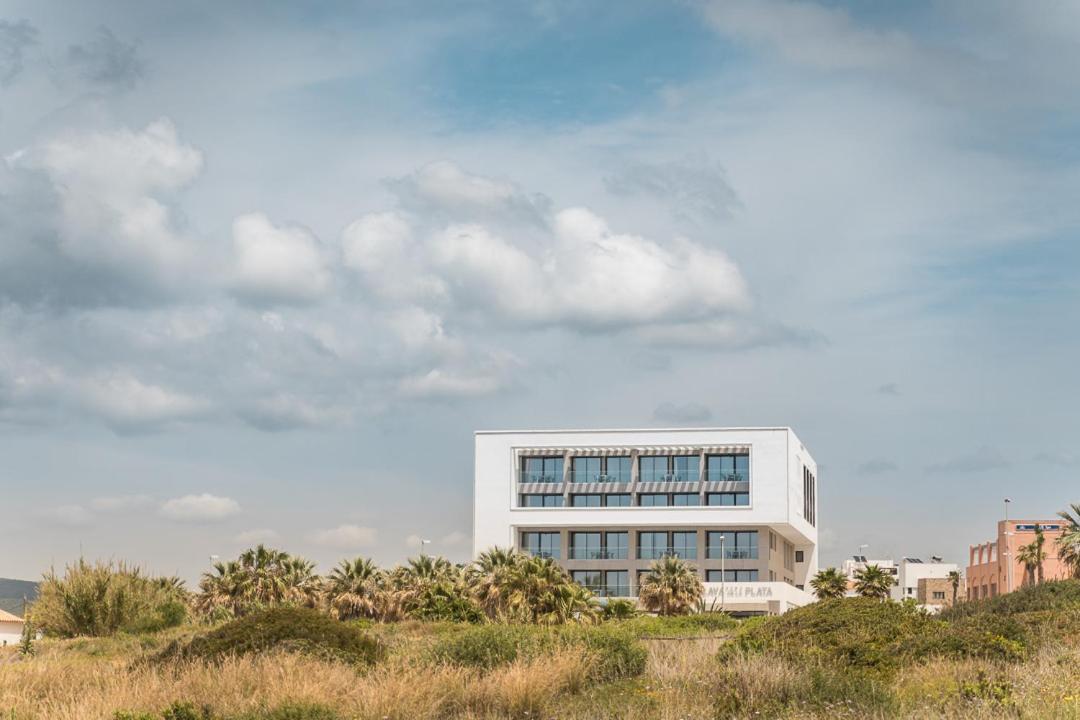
{"x":12,"y":593}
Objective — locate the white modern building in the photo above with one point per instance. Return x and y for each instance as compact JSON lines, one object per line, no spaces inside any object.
{"x":906,"y":574}
{"x":914,"y":569}
{"x":740,"y":504}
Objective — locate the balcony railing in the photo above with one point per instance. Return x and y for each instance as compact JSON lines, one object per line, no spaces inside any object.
{"x":539,"y":476}
{"x":658,"y":476}
{"x":717,"y":475}
{"x":658,"y":553}
{"x":594,"y":554}
{"x":713,"y":552}
{"x":553,"y":554}
{"x":591,"y":476}
{"x":615,"y":591}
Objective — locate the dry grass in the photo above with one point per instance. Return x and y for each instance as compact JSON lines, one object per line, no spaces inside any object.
{"x":80,"y":680}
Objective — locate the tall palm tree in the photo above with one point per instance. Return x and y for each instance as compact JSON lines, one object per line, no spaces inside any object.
{"x":1040,"y":556}
{"x":1069,"y":541}
{"x":954,"y":580}
{"x":871,"y":581}
{"x":354,"y":589}
{"x":829,"y":584}
{"x":672,"y":587}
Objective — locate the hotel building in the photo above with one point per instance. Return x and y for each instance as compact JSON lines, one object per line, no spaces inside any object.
{"x":738,"y":504}
{"x":994,"y":568}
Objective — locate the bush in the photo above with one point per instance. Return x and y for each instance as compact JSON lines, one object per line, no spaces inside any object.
{"x":289,"y":629}
{"x":620,"y":610}
{"x":105,"y":598}
{"x":869,"y":636}
{"x":1048,"y":596}
{"x":698,"y":624}
{"x":614,"y":651}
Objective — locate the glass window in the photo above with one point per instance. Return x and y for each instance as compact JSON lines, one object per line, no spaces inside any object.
{"x":686,"y":468}
{"x":542,"y":469}
{"x":684,"y":545}
{"x":653,"y":468}
{"x":541,"y":501}
{"x":728,"y":499}
{"x":685,"y":499}
{"x":585,"y":469}
{"x":618,"y":469}
{"x":652,"y":545}
{"x":585,"y":500}
{"x":585,"y":546}
{"x":738,"y":544}
{"x":730,"y":468}
{"x":731,"y":576}
{"x":588,"y":579}
{"x":652,"y":499}
{"x":617,"y":544}
{"x":617,"y":500}
{"x":617,"y":583}
{"x":541,"y":544}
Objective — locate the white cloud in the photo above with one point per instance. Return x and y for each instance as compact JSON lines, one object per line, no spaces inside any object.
{"x":256,"y":536}
{"x":130,"y":405}
{"x":277,"y":263}
{"x":118,"y":503}
{"x":69,"y":515}
{"x":112,"y":213}
{"x":200,"y":508}
{"x":439,"y":383}
{"x":287,"y":411}
{"x":443,"y":189}
{"x":346,"y":537}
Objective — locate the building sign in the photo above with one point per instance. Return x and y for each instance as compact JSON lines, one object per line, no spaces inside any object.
{"x":738,"y":591}
{"x":1032,"y":527}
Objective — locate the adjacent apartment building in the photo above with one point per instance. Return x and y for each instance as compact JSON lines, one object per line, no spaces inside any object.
{"x":994,"y":567}
{"x":740,"y":504}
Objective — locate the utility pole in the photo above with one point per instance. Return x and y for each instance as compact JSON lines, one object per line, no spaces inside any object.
{"x":1007,"y":554}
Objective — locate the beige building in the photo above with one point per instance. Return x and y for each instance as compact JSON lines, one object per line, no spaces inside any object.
{"x":937,"y":593}
{"x":994,"y":567}
{"x":11,"y":628}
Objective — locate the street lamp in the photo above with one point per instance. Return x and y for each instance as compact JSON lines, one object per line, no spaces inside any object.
{"x":1006,"y":553}
{"x":722,"y":573}
{"x":423,"y":542}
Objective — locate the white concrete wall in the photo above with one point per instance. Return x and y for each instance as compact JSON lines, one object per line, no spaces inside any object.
{"x":776,"y":460}
{"x":910,"y":573}
{"x":10,"y":632}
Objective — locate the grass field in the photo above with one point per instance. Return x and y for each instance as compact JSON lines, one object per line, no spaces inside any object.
{"x":799,"y":666}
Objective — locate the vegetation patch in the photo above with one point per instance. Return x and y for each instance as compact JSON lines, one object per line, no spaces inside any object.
{"x":613,"y":651}
{"x":873,"y":637}
{"x":284,"y":629}
{"x":190,"y":711}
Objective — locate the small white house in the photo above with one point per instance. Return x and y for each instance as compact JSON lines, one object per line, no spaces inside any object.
{"x":11,"y":628}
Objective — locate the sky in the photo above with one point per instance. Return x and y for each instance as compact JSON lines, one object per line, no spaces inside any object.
{"x":265,"y":267}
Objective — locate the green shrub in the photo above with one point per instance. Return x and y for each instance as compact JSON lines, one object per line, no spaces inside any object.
{"x":697,"y":624}
{"x":620,"y":610}
{"x":289,"y":629}
{"x":615,"y":652}
{"x":105,"y":598}
{"x":873,"y":637}
{"x":1054,"y":595}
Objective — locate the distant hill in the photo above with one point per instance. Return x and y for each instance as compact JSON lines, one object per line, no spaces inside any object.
{"x":12,"y":593}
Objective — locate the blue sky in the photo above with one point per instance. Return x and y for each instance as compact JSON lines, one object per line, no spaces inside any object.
{"x":264,"y":268}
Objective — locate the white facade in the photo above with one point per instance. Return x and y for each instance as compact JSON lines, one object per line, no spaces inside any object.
{"x":913,"y":569}
{"x":10,"y":632}
{"x":769,"y":501}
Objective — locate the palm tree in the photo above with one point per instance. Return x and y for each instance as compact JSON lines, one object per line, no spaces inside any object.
{"x":490,"y":576}
{"x":260,"y":577}
{"x":1032,"y":556}
{"x":672,"y":587}
{"x":1069,"y":541}
{"x":829,"y":584}
{"x":873,"y":582}
{"x":354,"y":589}
{"x":1040,"y":555}
{"x":954,"y":580}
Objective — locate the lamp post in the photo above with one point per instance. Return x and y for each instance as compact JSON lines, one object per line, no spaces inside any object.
{"x":722,"y":573}
{"x":1007,"y":554}
{"x":423,"y":542}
